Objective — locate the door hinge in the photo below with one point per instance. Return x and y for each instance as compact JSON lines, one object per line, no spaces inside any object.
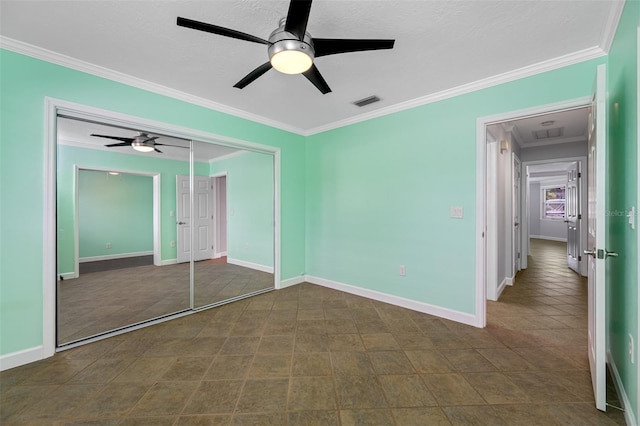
{"x":579,"y":174}
{"x":518,"y":255}
{"x":579,"y":258}
{"x":579,"y":216}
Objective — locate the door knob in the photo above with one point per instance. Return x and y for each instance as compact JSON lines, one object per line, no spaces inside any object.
{"x":182,"y":223}
{"x":590,"y":253}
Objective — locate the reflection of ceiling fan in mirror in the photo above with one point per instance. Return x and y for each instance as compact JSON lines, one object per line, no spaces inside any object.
{"x":143,"y":142}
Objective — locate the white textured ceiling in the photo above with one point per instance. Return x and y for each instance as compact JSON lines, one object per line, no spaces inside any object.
{"x":572,"y":125}
{"x":439,"y":45}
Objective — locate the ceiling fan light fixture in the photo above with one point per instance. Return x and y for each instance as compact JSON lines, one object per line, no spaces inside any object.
{"x":291,"y":61}
{"x":142,"y":147}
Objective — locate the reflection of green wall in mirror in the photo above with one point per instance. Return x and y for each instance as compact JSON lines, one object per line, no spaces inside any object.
{"x":70,"y":156}
{"x":249,"y":206}
{"x":115,"y":214}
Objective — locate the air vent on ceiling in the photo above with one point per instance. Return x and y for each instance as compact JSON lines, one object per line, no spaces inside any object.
{"x":366,"y":101}
{"x":556,"y":132}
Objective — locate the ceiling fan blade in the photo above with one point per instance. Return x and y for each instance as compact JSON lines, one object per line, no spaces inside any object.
{"x":157,"y":150}
{"x":151,"y":139}
{"x":249,"y":78}
{"x":332,"y":46}
{"x":314,"y":76}
{"x":210,"y":28}
{"x":297,"y":17}
{"x":111,"y":145}
{"x":114,"y":137}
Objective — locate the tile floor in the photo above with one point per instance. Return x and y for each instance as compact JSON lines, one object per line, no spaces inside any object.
{"x":102,"y":301}
{"x":307,"y":355}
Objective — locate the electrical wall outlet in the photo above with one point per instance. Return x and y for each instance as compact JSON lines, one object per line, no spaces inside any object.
{"x":631,"y":349}
{"x":402,"y":271}
{"x":108,"y":245}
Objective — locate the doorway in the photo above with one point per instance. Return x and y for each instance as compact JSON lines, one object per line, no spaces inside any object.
{"x":596,"y":135}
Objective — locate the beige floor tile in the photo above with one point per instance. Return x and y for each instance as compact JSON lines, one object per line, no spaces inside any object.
{"x":452,"y":389}
{"x":420,"y":417}
{"x":359,"y":392}
{"x":263,"y":395}
{"x":312,"y":394}
{"x":406,"y":391}
{"x":366,"y":417}
{"x":312,"y":364}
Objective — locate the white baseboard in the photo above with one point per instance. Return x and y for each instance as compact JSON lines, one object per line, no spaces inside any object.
{"x":168,"y":262}
{"x":291,"y":281}
{"x":219,"y":255}
{"x":622,"y":394}
{"x":505,"y":282}
{"x":23,"y":357}
{"x":115,"y":256}
{"x":250,"y":265}
{"x":426,"y":308}
{"x":67,"y":275}
{"x":544,"y":237}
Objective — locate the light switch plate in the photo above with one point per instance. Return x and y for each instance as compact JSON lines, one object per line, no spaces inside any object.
{"x":456,"y":212}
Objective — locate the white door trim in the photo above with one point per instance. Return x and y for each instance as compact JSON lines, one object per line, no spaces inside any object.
{"x":156,"y":210}
{"x":53,"y":107}
{"x":481,"y":189}
{"x":217,"y":253}
{"x":515,"y":251}
{"x":637,"y":215}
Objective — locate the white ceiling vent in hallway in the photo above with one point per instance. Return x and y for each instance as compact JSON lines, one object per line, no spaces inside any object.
{"x":367,"y":101}
{"x":548,"y":133}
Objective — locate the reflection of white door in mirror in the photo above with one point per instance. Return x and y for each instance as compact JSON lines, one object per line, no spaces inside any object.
{"x":201,"y":220}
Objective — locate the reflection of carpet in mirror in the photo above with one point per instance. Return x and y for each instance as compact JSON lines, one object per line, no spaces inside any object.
{"x":99,"y":302}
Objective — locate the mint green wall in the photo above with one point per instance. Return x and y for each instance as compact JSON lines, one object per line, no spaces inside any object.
{"x":24,"y":84}
{"x":622,"y":272}
{"x":379,"y":192}
{"x":70,"y":156}
{"x":116,"y":210}
{"x":250,"y":199}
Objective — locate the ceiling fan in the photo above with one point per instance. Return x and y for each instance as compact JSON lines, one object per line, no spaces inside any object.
{"x":143,"y":142}
{"x":292,"y":49}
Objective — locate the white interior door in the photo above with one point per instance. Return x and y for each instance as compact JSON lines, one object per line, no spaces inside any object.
{"x":572,"y":216}
{"x":517,"y":222}
{"x":597,"y":238}
{"x":183,"y":219}
{"x":202,"y":218}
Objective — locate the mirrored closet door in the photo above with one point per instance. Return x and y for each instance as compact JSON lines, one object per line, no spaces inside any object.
{"x":151,"y":226}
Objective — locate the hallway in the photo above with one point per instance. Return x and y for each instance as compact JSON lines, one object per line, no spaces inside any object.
{"x":309,"y":355}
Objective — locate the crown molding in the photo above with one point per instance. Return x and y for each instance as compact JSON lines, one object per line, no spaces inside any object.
{"x":99,"y":71}
{"x":615,"y":13}
{"x":86,"y":67}
{"x":530,"y":70}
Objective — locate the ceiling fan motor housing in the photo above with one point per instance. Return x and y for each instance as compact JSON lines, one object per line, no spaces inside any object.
{"x":282,"y":41}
